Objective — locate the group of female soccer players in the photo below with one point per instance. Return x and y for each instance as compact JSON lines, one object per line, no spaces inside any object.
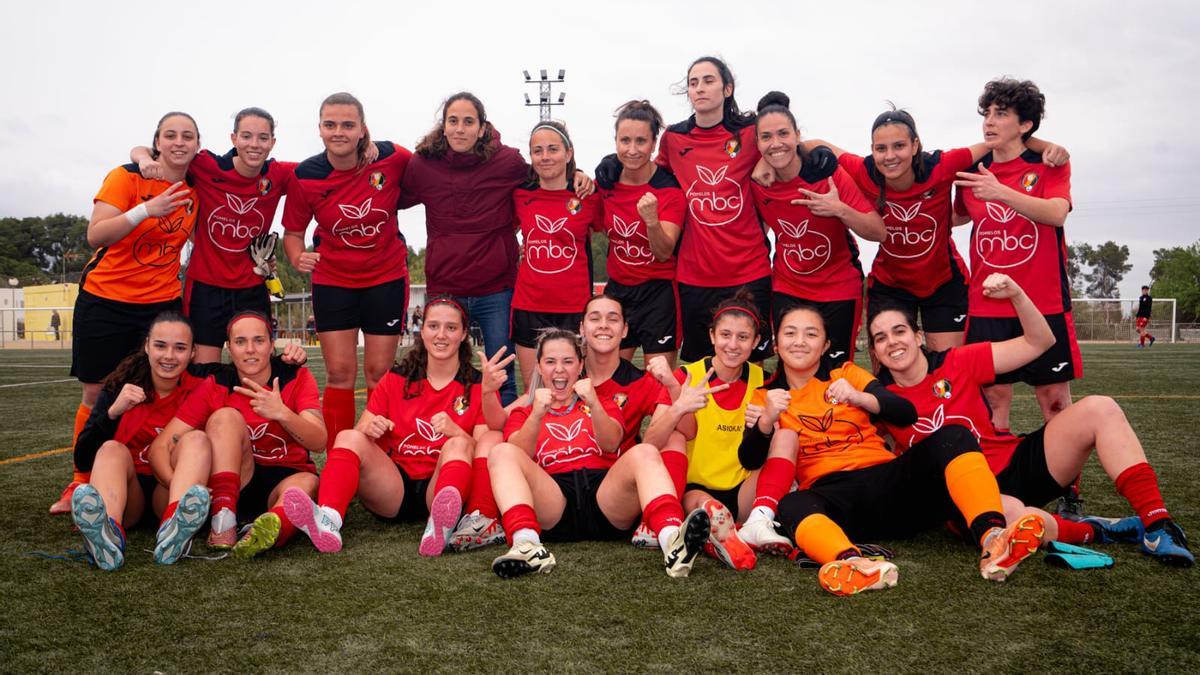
{"x":716,"y":456}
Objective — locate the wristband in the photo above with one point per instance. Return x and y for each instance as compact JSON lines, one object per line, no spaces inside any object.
{"x":137,"y":214}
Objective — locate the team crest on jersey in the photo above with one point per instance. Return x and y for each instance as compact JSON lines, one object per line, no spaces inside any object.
{"x":928,"y":194}
{"x":621,"y":398}
{"x":583,"y":407}
{"x":574,"y":205}
{"x":264,"y":186}
{"x":1028,"y":181}
{"x":378,"y":180}
{"x":941,"y":388}
{"x":460,"y":405}
{"x":732,"y":147}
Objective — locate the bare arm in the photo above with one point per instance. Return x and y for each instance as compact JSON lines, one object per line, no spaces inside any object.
{"x":1036,"y":337}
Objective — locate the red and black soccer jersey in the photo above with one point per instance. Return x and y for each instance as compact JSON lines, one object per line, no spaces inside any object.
{"x":566,"y":440}
{"x":271,"y":444}
{"x":233,"y":210}
{"x":358,"y":235}
{"x":137,"y":428}
{"x":816,"y":257}
{"x":1002,"y":240}
{"x":918,"y":254}
{"x":952,"y":393}
{"x":143,"y":266}
{"x":555,"y":274}
{"x":412,"y":443}
{"x":722,"y":242}
{"x":630,"y":260}
{"x":636,"y":393}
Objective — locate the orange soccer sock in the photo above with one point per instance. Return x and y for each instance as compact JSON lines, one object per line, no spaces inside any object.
{"x":822,"y":540}
{"x":82,"y":413}
{"x":973,"y":489}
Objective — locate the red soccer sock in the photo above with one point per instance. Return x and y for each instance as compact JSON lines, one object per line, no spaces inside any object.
{"x":1073,"y":532}
{"x":168,"y":512}
{"x":337,"y":407}
{"x":480,"y":497}
{"x":1142,"y":340}
{"x":663,"y":511}
{"x":1139,"y":486}
{"x":224,"y":487}
{"x":456,"y":474}
{"x":677,"y":467}
{"x":286,"y":528}
{"x":520,"y":517}
{"x":773,"y":482}
{"x":339,"y":480}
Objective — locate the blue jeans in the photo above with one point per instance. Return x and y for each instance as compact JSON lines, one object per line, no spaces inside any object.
{"x":493,"y":314}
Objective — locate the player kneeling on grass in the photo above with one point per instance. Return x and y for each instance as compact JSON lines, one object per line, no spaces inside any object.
{"x":561,"y":471}
{"x":946,"y":388}
{"x":409,"y":456}
{"x":262,"y":420}
{"x":826,"y":441}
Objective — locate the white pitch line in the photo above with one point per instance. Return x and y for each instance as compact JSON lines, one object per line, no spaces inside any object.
{"x":30,"y":384}
{"x":26,"y":365}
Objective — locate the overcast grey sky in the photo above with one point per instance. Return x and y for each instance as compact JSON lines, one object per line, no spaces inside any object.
{"x":85,"y":81}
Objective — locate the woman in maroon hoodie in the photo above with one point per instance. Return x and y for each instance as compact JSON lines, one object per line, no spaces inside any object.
{"x":465,"y":178}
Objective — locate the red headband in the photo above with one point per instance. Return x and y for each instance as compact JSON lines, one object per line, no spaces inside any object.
{"x":446,"y":300}
{"x":735,"y":308}
{"x":250,"y":313}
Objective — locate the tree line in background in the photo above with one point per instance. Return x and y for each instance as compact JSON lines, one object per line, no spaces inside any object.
{"x":54,"y":248}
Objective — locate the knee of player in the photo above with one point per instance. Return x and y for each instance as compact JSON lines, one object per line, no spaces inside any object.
{"x":194,"y":441}
{"x":112,"y":451}
{"x":306,"y":481}
{"x":954,"y":440}
{"x":226,"y":420}
{"x":458,"y":447}
{"x":794,"y":507}
{"x":503,"y":453}
{"x":1102,"y":407}
{"x":351,"y":439}
{"x":643,"y":453}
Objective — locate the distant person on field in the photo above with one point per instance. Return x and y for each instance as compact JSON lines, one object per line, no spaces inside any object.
{"x":1143,"y":318}
{"x":56,"y":321}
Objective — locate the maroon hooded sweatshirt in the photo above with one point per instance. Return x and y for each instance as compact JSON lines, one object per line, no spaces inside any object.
{"x":471,"y":246}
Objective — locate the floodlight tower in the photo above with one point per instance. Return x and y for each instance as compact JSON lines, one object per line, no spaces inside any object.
{"x":544,"y":102}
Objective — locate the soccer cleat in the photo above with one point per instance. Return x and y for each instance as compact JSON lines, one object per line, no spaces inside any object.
{"x":686,"y":544}
{"x":523,"y":558}
{"x":760,"y":534}
{"x":443,"y":515}
{"x":1110,"y":530}
{"x":259,"y":537}
{"x":644,"y":538}
{"x":855,"y":575}
{"x":322,"y":524}
{"x":175,"y":535}
{"x":222,"y":531}
{"x":476,"y":530}
{"x":724,"y":544}
{"x":102,"y":539}
{"x":63,"y":505}
{"x":1004,"y":549}
{"x":1165,"y":540}
{"x":1152,"y":340}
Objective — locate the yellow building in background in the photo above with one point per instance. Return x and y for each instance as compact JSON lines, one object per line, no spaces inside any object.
{"x":42,"y":303}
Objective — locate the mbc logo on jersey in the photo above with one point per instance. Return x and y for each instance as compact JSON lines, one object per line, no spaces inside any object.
{"x":573,"y":442}
{"x":910,"y":233}
{"x":1005,"y":238}
{"x":804,"y":251}
{"x":550,"y":248}
{"x":630,"y":246}
{"x":359,"y":225}
{"x":232,"y":225}
{"x":266,"y":445}
{"x":713,"y":199}
{"x":432,"y":440}
{"x":155,"y":247}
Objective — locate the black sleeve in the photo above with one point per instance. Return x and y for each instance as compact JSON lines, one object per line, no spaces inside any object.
{"x":98,"y":429}
{"x":752,"y":453}
{"x":608,"y":171}
{"x":893,"y":408}
{"x":203,"y":370}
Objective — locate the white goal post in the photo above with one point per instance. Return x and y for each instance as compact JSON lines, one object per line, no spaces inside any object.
{"x":1112,"y":319}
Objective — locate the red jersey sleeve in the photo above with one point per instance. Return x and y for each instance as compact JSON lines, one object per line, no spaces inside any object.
{"x":671,"y":207}
{"x":381,"y":397}
{"x":849,"y":193}
{"x":516,"y":420}
{"x":200,"y":403}
{"x":307,"y":394}
{"x":663,"y":158}
{"x":854,"y":165}
{"x":975,"y":360}
{"x":953,"y":161}
{"x":1057,"y":182}
{"x":297,"y":212}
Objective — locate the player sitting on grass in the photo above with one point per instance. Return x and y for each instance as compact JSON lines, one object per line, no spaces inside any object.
{"x":262,"y":421}
{"x":828,"y":443}
{"x":946,"y":388}
{"x":409,"y":456}
{"x":561,"y":472}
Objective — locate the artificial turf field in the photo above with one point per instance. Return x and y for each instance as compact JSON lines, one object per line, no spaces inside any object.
{"x":378,"y":606}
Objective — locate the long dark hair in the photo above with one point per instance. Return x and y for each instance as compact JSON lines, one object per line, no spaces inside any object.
{"x":732,"y":116}
{"x":413,"y":366}
{"x":434,"y":144}
{"x":778,"y":102}
{"x":135,"y":368}
{"x":921,"y":160}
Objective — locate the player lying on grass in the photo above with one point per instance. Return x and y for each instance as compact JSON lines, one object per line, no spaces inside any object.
{"x":409,"y":456}
{"x":849,"y":482}
{"x":262,"y":419}
{"x":135,"y":403}
{"x":946,"y":388}
{"x":562,"y":473}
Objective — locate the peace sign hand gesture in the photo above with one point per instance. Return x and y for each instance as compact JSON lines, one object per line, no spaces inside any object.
{"x":266,"y":403}
{"x":495,"y":372}
{"x":695,"y":397}
{"x":826,"y":205}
